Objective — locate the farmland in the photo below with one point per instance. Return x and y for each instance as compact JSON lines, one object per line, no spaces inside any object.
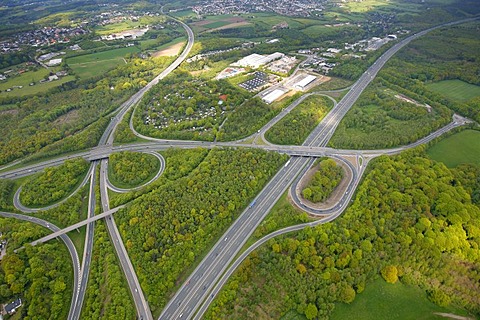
{"x":455,"y":89}
{"x":463,"y":147}
{"x":93,"y":64}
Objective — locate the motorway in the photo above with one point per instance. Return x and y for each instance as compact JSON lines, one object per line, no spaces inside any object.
{"x":88,"y":247}
{"x":194,"y":292}
{"x":198,"y":286}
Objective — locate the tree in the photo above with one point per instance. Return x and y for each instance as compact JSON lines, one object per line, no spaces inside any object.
{"x":390,"y":274}
{"x":347,"y":294}
{"x":311,"y":311}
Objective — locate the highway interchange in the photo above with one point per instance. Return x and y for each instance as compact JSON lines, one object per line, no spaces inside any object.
{"x":194,"y":296}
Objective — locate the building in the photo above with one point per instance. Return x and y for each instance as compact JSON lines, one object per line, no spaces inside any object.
{"x":272,"y":96}
{"x":256,"y":60}
{"x":12,"y":307}
{"x":54,"y":62}
{"x":302,"y":84}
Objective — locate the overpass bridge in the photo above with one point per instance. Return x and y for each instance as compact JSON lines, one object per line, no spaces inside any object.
{"x":76,"y":226}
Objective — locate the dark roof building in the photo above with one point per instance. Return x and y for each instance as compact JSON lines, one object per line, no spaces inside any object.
{"x":13,"y":306}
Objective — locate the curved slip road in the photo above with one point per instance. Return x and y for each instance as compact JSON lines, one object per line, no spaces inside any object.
{"x":159,"y":173}
{"x":18,"y":205}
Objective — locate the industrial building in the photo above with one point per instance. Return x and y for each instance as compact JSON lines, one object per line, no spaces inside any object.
{"x":272,"y":96}
{"x":302,"y":84}
{"x":256,"y":60}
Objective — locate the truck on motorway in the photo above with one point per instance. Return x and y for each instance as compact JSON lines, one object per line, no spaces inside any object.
{"x":252,"y":203}
{"x":286,"y":164}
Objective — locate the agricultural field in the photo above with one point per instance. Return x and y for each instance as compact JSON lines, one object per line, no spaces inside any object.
{"x":127,"y":25}
{"x":455,"y":89}
{"x":462,"y":147}
{"x":382,"y":300}
{"x":28,"y":77}
{"x":169,"y":49}
{"x":97,"y":63}
{"x":212,"y":23}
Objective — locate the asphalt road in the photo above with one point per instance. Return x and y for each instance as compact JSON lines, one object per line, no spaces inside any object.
{"x":340,"y":205}
{"x":197,"y":286}
{"x":143,"y":310}
{"x":190,"y":296}
{"x":201,"y":281}
{"x":18,"y":205}
{"x":88,"y":247}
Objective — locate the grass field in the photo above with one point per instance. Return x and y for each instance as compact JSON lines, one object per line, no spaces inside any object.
{"x":462,"y":147}
{"x":455,"y":89}
{"x":382,"y":300}
{"x":26,"y":78}
{"x":96,"y":63}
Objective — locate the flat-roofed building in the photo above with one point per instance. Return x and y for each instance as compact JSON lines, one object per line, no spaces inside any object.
{"x":302,"y":84}
{"x":272,"y":96}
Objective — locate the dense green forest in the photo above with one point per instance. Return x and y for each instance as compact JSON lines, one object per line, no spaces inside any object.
{"x":178,"y":163}
{"x":131,"y":169}
{"x":54,"y":183}
{"x":246,"y":120}
{"x":6,"y":188}
{"x":324,"y":181}
{"x":295,"y":127}
{"x":411,"y":221}
{"x":69,"y":212}
{"x":40,"y":275}
{"x":168,"y":229}
{"x":382,"y":119}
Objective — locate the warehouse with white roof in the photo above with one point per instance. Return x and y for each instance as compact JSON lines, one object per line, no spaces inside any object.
{"x":302,"y":84}
{"x":272,"y":96}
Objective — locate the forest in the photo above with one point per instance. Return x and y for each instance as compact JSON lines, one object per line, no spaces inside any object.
{"x":246,"y":120}
{"x":41,"y":276}
{"x":324,"y":181}
{"x":54,"y":183}
{"x":295,"y":127}
{"x":168,"y":229}
{"x":412,"y":220}
{"x":131,"y":169}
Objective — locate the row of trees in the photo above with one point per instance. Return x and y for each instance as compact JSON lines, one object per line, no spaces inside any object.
{"x":295,"y":127}
{"x":6,"y":188}
{"x":411,"y":219}
{"x":324,"y":181}
{"x":132,"y":168}
{"x":169,"y":228}
{"x":54,"y":183}
{"x":41,"y":276}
